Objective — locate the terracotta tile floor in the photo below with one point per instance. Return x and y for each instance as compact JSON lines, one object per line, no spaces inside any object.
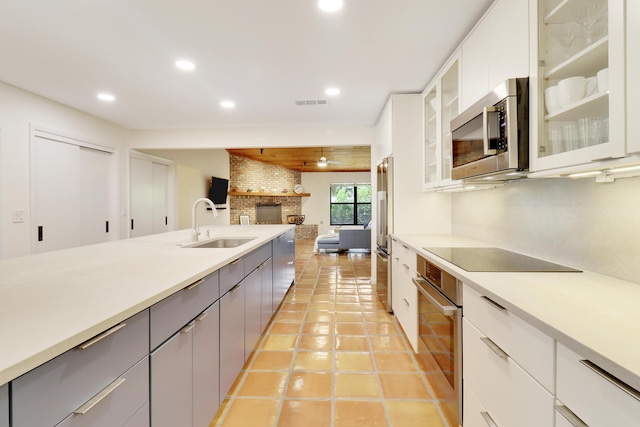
{"x":331,"y":357}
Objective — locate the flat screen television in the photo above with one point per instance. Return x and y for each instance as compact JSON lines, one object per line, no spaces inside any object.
{"x":218,"y":190}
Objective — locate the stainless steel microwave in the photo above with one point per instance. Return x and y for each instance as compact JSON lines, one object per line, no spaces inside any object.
{"x":491,"y":138}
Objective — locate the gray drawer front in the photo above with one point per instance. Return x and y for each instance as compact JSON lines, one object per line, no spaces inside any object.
{"x":257,"y":257}
{"x":63,"y":384}
{"x":119,"y":406}
{"x":231,"y":275}
{"x":4,"y":405}
{"x":172,"y":313}
{"x":141,"y":418}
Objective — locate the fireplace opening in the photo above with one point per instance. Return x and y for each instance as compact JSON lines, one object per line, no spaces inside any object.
{"x":269,"y":213}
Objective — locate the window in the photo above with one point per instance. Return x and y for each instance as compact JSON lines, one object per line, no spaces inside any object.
{"x":350,"y":204}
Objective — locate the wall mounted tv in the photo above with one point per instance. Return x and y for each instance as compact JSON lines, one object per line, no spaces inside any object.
{"x":218,"y":190}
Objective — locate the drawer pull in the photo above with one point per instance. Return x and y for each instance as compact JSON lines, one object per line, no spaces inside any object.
{"x":405,"y":266}
{"x":290,"y":263}
{"x":235,"y":261}
{"x":100,"y":337}
{"x":261,"y":266}
{"x":195,"y":285}
{"x":495,"y":348}
{"x":405,"y":246}
{"x":99,"y":397}
{"x":613,"y":380}
{"x":187,"y":328}
{"x":492,"y":303}
{"x":406,"y":302}
{"x":488,"y":419}
{"x":202,"y":317}
{"x":570,"y":416}
{"x":235,"y":288}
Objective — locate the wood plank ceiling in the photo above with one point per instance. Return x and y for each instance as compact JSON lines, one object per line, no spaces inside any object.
{"x":339,"y":159}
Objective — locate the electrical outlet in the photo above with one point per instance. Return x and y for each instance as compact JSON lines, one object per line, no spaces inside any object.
{"x":18,"y":215}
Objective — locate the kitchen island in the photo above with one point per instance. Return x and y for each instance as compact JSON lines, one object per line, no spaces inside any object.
{"x":52,"y":302}
{"x":583,"y":316}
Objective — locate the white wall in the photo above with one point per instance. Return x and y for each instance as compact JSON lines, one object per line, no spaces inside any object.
{"x":590,"y":226}
{"x":193,"y":173}
{"x":316,"y":208}
{"x":18,"y":109}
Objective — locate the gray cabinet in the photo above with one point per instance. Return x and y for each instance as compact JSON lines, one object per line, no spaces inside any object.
{"x":206,"y":366}
{"x":65,"y":384}
{"x":140,"y":418}
{"x":127,"y":396}
{"x":171,"y":380}
{"x":284,"y":269}
{"x":266,"y":293}
{"x":4,"y":405}
{"x":175,"y":311}
{"x":231,"y":337}
{"x":252,"y":315}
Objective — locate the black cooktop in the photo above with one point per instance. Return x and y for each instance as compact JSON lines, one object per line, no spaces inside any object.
{"x":495,"y":260}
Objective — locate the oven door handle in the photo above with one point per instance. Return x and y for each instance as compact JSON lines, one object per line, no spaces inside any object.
{"x":435,"y":298}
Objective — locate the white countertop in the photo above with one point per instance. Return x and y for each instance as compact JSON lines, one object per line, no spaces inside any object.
{"x":595,"y":315}
{"x":51,"y":302}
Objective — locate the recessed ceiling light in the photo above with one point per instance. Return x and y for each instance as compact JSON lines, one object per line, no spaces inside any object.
{"x":332,"y":91}
{"x":106,"y":97}
{"x":185,"y":65}
{"x":330,"y":5}
{"x":228,"y":104}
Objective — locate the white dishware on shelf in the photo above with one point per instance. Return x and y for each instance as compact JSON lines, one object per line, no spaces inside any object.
{"x":590,"y":86}
{"x":552,"y":100}
{"x":603,"y":80}
{"x":565,"y":34}
{"x":571,"y":90}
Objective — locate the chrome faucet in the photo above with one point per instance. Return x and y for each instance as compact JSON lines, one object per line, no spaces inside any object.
{"x":195,"y":228}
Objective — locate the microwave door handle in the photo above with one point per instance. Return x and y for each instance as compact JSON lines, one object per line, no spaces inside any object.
{"x":485,"y":130}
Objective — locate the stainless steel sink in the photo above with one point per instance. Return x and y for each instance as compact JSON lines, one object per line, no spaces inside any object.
{"x":222,"y":242}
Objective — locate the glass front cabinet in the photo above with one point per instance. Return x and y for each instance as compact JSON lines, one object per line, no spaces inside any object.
{"x":579,"y":110}
{"x":440,"y":105}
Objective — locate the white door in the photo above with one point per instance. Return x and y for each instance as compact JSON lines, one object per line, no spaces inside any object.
{"x":56,"y":196}
{"x":96,"y":173}
{"x":141,"y":185}
{"x":160,"y":179}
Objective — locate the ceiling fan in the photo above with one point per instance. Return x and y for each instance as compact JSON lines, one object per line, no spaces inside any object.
{"x":323,"y":162}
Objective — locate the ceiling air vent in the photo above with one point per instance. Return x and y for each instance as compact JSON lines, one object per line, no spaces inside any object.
{"x":302,"y":102}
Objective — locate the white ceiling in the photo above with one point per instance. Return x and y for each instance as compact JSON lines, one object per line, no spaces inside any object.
{"x":263,"y":54}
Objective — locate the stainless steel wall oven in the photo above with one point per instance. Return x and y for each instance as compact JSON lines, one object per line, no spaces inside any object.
{"x":440,"y":334}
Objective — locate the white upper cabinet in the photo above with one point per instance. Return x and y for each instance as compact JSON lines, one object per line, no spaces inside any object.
{"x":580,"y":118}
{"x":496,"y":50}
{"x":633,"y":73}
{"x":441,"y":102}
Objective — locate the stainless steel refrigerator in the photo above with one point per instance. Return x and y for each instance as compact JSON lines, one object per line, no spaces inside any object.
{"x":384,"y":229}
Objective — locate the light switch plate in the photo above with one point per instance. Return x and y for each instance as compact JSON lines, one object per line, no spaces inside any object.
{"x":18,"y":215}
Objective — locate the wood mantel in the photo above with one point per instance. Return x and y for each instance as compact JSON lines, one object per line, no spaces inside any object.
{"x":264,"y":194}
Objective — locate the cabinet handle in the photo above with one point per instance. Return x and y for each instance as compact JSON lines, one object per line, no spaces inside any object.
{"x":202,"y":317}
{"x":195,"y":285}
{"x":98,"y":397}
{"x":290,"y":263}
{"x":261,"y":266}
{"x":493,"y":303}
{"x":488,"y":419}
{"x":396,"y":258}
{"x":570,"y":416}
{"x":495,"y":348}
{"x":100,"y":337}
{"x":289,"y":241}
{"x":235,"y":288}
{"x":406,"y":302}
{"x":235,"y":261}
{"x":613,"y":380}
{"x":187,"y":328}
{"x":405,"y":266}
{"x":405,"y":246}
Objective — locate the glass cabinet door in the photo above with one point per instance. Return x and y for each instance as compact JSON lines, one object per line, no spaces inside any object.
{"x":431,"y":152}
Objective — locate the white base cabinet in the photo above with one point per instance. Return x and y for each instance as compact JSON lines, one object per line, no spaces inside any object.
{"x":590,"y":393}
{"x":404,"y":298}
{"x":4,"y":405}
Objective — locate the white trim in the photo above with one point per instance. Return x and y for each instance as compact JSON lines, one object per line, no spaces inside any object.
{"x":65,"y":137}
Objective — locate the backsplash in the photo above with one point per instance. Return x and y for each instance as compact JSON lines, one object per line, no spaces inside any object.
{"x":260,"y":177}
{"x":594,"y":227}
